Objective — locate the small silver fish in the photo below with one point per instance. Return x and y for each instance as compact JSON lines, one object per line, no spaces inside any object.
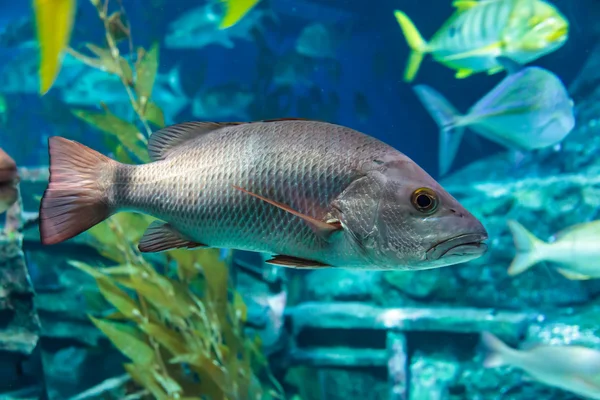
{"x":529,"y":109}
{"x":222,"y":102}
{"x":318,"y":40}
{"x":575,"y":250}
{"x":313,"y":194}
{"x":572,"y":368}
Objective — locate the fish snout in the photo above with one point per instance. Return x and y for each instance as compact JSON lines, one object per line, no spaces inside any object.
{"x":463,"y":246}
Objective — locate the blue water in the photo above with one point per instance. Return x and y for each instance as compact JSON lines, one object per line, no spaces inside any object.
{"x":368,"y":59}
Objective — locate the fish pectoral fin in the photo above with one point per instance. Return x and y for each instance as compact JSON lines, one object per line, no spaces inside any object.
{"x":463,"y":73}
{"x":489,"y":50}
{"x":574,"y":276}
{"x":162,"y":236}
{"x":295,"y":262}
{"x":321,"y":228}
{"x":462,"y":5}
{"x":494,"y":70}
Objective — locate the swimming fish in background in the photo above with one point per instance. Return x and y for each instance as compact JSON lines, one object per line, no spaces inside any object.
{"x":200,"y":27}
{"x":529,"y":109}
{"x":572,"y":368}
{"x":576,"y":249}
{"x":480,"y":31}
{"x":311,"y":193}
{"x":235,"y":10}
{"x":54,"y":22}
{"x":320,"y":41}
{"x":8,"y":181}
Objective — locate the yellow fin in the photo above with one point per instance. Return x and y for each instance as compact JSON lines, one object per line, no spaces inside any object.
{"x":462,"y":5}
{"x":492,"y":50}
{"x":415,"y":41}
{"x":574,"y":276}
{"x":463,"y":73}
{"x":235,"y":11}
{"x":54,"y":22}
{"x":494,"y":70}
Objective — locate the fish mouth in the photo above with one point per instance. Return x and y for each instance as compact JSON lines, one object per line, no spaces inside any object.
{"x":468,"y":245}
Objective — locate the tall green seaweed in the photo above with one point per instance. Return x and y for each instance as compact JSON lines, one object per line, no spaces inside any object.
{"x":182,"y":328}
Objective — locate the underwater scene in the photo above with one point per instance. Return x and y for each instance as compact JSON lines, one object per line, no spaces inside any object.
{"x":300,"y":199}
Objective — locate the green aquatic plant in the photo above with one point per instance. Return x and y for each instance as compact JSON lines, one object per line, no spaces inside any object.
{"x":137,"y":72}
{"x":182,"y":328}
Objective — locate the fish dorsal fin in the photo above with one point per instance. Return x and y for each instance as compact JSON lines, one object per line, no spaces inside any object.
{"x":509,"y":64}
{"x":163,"y":141}
{"x":462,"y":5}
{"x":591,"y":229}
{"x":286,"y":119}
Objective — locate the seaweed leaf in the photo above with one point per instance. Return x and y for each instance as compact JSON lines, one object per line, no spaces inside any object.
{"x":127,"y":133}
{"x":154,"y":114}
{"x":166,"y":337}
{"x":128,"y":343}
{"x":144,"y":377}
{"x":118,"y":298}
{"x":146,"y":70}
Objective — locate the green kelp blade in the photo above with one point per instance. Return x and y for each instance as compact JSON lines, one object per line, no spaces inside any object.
{"x":126,"y":132}
{"x":146,"y":70}
{"x":166,"y":337}
{"x":54,"y":23}
{"x":127,"y":340}
{"x":144,"y":376}
{"x":154,"y":114}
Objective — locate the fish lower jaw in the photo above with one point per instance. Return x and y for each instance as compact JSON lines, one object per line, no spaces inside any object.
{"x":467,"y":246}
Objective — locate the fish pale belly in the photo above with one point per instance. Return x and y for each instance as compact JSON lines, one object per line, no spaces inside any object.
{"x":480,"y":63}
{"x":305,"y":169}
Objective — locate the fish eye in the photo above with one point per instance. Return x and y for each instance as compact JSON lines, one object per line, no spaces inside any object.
{"x":424,"y":200}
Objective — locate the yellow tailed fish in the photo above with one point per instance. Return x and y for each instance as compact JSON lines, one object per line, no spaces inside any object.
{"x":235,"y":10}
{"x":54,"y":22}
{"x":480,"y":31}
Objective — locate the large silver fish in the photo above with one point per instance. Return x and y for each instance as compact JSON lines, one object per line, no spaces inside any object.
{"x":529,"y":109}
{"x":312,"y":194}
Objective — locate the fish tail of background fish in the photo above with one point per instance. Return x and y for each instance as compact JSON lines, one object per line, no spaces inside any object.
{"x":417,"y":44}
{"x":529,"y":249}
{"x":496,"y":351}
{"x":448,"y":120}
{"x":77,"y":196}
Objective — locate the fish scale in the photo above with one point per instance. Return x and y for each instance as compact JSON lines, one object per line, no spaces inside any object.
{"x":311,"y":172}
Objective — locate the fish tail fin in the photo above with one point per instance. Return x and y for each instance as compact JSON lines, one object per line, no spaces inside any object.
{"x":415,"y":41}
{"x":75,"y":200}
{"x":448,"y":120}
{"x":235,"y":11}
{"x":496,"y":350}
{"x":527,"y":246}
